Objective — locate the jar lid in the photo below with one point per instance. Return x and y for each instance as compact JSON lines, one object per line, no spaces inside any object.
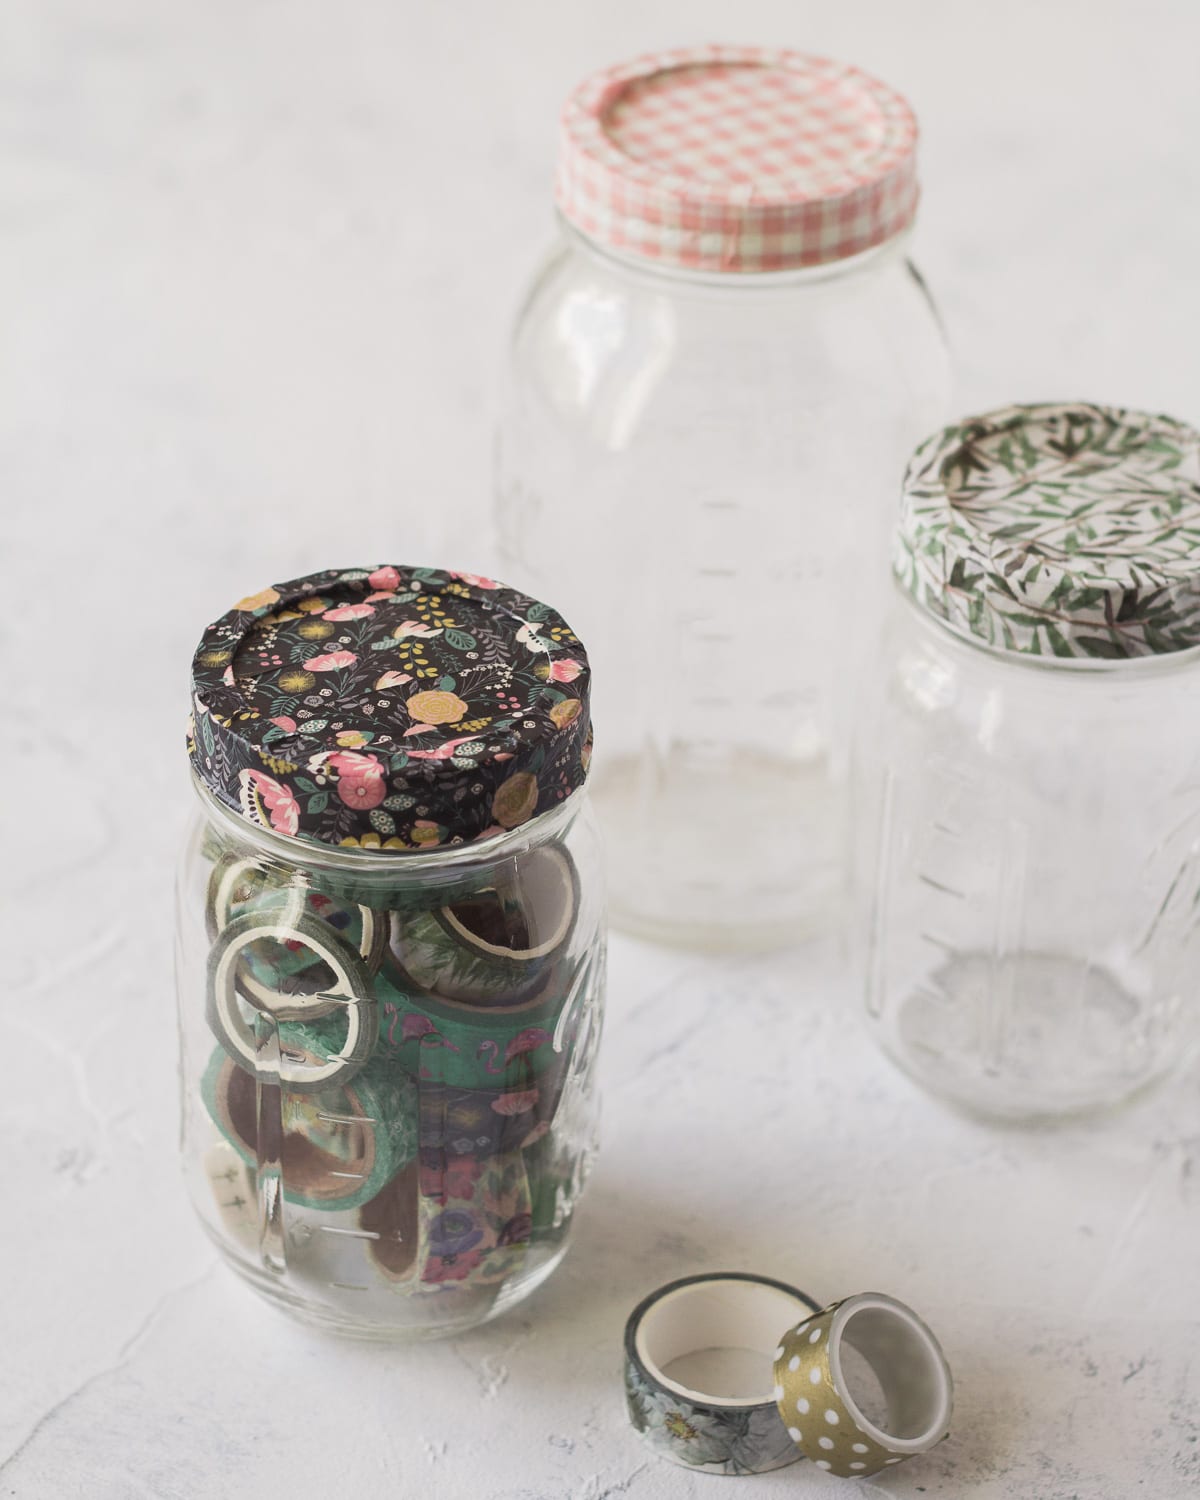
{"x":737,"y":159}
{"x":1065,"y":530}
{"x":395,"y":708}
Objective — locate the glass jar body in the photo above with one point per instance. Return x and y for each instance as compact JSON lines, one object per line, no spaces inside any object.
{"x":707,"y":468}
{"x":388,"y":1107}
{"x":1028,"y":870}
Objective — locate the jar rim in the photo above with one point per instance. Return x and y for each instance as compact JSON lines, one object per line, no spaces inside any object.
{"x":314,"y":853}
{"x":799,"y":279}
{"x":1153,"y":664}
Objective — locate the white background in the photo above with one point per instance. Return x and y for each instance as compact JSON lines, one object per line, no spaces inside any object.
{"x":257,"y":262}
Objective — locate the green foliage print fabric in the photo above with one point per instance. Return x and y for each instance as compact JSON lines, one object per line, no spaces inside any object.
{"x":1058,"y":530}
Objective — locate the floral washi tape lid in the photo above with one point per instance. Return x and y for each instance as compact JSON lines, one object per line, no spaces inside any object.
{"x":737,"y":159}
{"x":1058,"y":530}
{"x":403,"y":708}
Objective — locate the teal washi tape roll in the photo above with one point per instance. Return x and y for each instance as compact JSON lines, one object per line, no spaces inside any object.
{"x":350,"y":994}
{"x":269,"y":974}
{"x":555,"y":1181}
{"x":492,"y":1047}
{"x":342,"y":1146}
{"x":406,"y":887}
{"x":496,"y":945}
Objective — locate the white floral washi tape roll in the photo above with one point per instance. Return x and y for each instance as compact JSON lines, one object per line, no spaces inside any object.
{"x":818,"y":1402}
{"x":698,"y":1371}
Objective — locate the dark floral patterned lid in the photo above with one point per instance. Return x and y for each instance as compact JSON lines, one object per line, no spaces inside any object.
{"x":390,"y":707}
{"x":1058,"y":530}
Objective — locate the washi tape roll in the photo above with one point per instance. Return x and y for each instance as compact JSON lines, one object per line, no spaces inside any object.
{"x":234,"y":1194}
{"x":698,"y":1371}
{"x":340,"y":1146}
{"x":391,"y":1220}
{"x":284,"y":978}
{"x":475,"y":1221}
{"x":469,"y":1046}
{"x":818,"y":1403}
{"x":556,"y":1169}
{"x":350,"y":991}
{"x":493,"y":947}
{"x":481,"y":1122}
{"x":350,"y":1260}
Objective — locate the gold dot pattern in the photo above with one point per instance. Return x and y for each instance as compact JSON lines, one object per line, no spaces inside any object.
{"x":816,"y":1416}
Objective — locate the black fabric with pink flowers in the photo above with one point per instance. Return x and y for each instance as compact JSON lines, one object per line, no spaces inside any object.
{"x":390,"y":708}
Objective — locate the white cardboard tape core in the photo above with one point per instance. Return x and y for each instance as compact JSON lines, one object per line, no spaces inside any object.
{"x":708,"y":1339}
{"x":908,"y":1364}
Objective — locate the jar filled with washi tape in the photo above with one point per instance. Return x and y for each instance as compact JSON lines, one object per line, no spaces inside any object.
{"x":714,"y":380}
{"x":391,"y":946}
{"x":1029,"y":770}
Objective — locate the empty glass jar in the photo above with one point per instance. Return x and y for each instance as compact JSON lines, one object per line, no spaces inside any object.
{"x":1029,"y":769}
{"x":714,"y":380}
{"x":391,"y":953}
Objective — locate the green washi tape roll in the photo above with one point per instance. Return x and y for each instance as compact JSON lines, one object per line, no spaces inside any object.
{"x":555,"y":1181}
{"x":492,"y":1047}
{"x":272,"y":979}
{"x":494,"y":946}
{"x":350,"y":994}
{"x":407,"y":887}
{"x":341,"y":1146}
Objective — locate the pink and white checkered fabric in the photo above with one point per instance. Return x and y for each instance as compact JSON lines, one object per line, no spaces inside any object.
{"x":739,"y":159}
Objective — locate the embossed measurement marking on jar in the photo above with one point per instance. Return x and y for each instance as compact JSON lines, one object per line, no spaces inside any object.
{"x":940,"y":885}
{"x":978,"y":879}
{"x":717,"y":669}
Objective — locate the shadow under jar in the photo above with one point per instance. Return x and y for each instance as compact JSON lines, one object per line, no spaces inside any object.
{"x":1028,"y":774}
{"x":713,"y":382}
{"x":390,"y":947}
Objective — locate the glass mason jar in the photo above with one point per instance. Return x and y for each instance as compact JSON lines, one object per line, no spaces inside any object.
{"x":711,"y":391}
{"x":1028,"y":773}
{"x":390,"y":948}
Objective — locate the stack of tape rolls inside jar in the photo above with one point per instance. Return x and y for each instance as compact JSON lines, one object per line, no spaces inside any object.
{"x":393,"y":1049}
{"x":388,"y":1094}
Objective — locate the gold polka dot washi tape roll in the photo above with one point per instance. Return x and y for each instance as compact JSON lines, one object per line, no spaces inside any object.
{"x":819,"y":1405}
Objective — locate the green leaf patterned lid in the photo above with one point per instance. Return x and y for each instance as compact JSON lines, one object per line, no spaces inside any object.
{"x":390,"y":708}
{"x":1065,"y":530}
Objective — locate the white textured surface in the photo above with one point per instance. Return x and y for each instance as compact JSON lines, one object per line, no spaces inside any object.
{"x":258,"y":258}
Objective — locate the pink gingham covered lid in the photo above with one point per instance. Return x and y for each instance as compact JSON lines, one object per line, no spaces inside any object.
{"x":737,"y":159}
